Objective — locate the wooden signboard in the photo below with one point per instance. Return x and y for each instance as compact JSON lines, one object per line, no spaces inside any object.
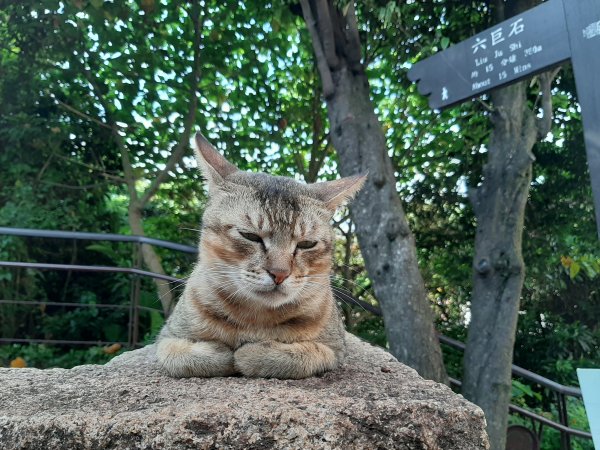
{"x":531,"y":42}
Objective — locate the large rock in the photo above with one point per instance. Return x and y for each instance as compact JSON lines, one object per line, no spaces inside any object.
{"x":373,"y":402}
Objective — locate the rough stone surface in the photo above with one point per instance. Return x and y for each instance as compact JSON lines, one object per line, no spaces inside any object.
{"x":373,"y":402}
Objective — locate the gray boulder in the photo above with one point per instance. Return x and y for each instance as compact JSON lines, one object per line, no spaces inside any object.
{"x":373,"y":402}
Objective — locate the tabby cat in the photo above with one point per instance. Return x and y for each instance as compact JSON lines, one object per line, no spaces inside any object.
{"x":259,"y":302}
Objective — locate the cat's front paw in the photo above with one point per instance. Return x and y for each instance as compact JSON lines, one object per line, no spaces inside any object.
{"x":271,"y":359}
{"x":251,"y":360}
{"x":183,"y":358}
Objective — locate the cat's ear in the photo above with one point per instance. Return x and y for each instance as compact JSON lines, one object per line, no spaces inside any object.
{"x":213,"y":165}
{"x":335,"y":193}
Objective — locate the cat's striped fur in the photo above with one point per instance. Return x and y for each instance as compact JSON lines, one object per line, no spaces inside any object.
{"x":259,"y":300}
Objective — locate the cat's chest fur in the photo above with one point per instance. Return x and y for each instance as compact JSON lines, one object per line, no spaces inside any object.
{"x":236,"y":323}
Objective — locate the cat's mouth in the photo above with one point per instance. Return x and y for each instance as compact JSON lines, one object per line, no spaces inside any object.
{"x":279,"y":288}
{"x":273,"y":289}
{"x":271,"y":295}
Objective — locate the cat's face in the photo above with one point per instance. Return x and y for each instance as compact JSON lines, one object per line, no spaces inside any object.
{"x":267,"y":239}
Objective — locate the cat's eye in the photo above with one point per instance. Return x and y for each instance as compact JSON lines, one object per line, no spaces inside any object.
{"x":305,"y":245}
{"x":251,"y":237}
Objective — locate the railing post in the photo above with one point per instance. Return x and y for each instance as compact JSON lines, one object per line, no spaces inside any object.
{"x":131,"y":303}
{"x":565,"y":438}
{"x":135,"y":300}
{"x":540,"y":431}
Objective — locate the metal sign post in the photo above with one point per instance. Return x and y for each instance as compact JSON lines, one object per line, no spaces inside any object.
{"x":526,"y":44}
{"x":583,"y":23}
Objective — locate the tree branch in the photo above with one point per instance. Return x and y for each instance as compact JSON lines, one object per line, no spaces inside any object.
{"x":317,"y":137}
{"x":44,"y":167}
{"x":353,"y":48}
{"x":82,"y":114}
{"x":190,"y":119}
{"x":130,"y":178}
{"x":108,"y":178}
{"x":316,"y":162}
{"x":324,"y":23}
{"x":68,"y":186}
{"x":487,"y":106}
{"x":370,"y":52}
{"x":337,"y":223}
{"x":103,"y":172}
{"x":544,"y":124}
{"x":322,"y":65}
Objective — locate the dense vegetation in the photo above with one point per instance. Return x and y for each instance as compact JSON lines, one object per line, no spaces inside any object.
{"x":96,"y":97}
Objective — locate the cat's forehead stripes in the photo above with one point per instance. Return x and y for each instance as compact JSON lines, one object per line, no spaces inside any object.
{"x":279,"y":202}
{"x":290,"y":224}
{"x":273,"y":207}
{"x":248,"y":220}
{"x":273,"y":192}
{"x":302,"y":228}
{"x":281,"y":210}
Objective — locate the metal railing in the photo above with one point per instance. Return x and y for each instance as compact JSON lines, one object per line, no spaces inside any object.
{"x":136,"y":272}
{"x":560,"y":391}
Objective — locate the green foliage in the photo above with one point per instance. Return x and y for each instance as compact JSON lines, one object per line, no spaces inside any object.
{"x":554,"y":348}
{"x":586,"y":266}
{"x":524,"y":396}
{"x":371,"y":330}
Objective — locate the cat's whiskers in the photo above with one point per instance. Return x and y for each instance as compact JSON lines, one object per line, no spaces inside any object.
{"x":171,"y":290}
{"x":221,"y":271}
{"x":190,"y":229}
{"x":335,"y":277}
{"x":344,"y":293}
{"x":313,"y":288}
{"x":176,"y":281}
{"x":349,"y":300}
{"x":232,"y":296}
{"x":181,"y":282}
{"x":338,"y":278}
{"x":222,"y":287}
{"x":220,"y":274}
{"x":309,"y":290}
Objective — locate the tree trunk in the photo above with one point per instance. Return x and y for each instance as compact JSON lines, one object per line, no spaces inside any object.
{"x":151,"y":258}
{"x":386,"y":241}
{"x":498,"y":268}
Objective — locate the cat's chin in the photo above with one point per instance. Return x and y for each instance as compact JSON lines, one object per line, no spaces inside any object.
{"x":274,"y":297}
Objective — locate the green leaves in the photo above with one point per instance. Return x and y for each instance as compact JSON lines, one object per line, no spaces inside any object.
{"x":574,"y":269}
{"x":574,"y":265}
{"x":387,"y":13}
{"x":522,"y":391}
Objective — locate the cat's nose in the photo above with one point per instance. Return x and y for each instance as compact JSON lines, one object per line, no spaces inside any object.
{"x":278,"y":275}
